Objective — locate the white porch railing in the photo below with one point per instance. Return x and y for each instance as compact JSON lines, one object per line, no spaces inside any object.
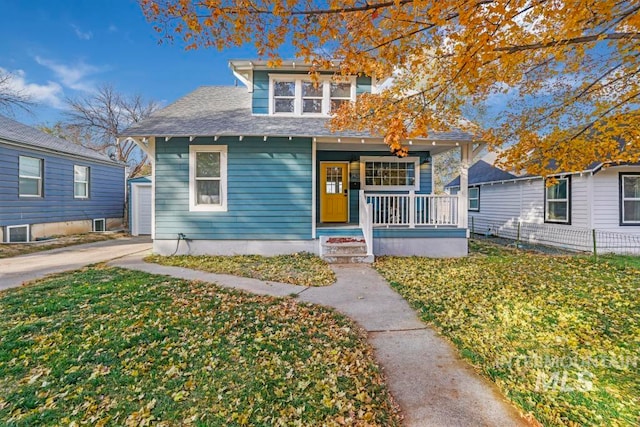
{"x":366,"y":224}
{"x":410,"y":210}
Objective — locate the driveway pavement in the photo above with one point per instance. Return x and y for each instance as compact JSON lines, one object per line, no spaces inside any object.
{"x":15,"y":271}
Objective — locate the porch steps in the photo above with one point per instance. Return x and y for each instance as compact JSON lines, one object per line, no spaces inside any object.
{"x":344,"y":250}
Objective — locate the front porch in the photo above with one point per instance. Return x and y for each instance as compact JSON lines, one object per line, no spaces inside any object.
{"x":404,"y":225}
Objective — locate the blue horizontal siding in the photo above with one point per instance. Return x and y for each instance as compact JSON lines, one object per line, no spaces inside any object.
{"x":354,"y":166}
{"x":268,"y":190}
{"x":106,"y":190}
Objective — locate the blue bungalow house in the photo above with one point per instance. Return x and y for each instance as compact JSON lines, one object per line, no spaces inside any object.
{"x":49,"y":186}
{"x":255,"y":170}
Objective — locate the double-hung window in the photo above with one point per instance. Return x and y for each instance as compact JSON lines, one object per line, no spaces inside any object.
{"x":299,"y":95}
{"x":30,"y":176}
{"x":474,"y":198}
{"x":390,"y":173}
{"x":557,"y":201}
{"x":208,"y":178}
{"x":629,"y":199}
{"x":80,"y":182}
{"x":284,"y":96}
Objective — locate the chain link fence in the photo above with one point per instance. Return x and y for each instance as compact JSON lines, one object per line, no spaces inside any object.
{"x":564,"y":237}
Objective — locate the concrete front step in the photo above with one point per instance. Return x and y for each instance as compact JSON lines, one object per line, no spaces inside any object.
{"x":345,"y":250}
{"x":348,"y":258}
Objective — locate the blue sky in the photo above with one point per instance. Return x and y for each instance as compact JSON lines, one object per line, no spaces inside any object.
{"x":67,"y":48}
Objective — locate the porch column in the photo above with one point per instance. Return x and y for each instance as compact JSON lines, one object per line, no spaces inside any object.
{"x":463,"y":194}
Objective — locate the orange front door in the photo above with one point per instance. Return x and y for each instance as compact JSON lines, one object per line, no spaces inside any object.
{"x":334,"y":194}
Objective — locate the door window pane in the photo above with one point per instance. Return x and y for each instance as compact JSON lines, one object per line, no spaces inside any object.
{"x":334,"y":184}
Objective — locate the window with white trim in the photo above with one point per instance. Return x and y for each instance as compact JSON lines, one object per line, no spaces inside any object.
{"x":630,"y":199}
{"x":208,"y":178}
{"x":299,"y":95}
{"x":557,"y":197}
{"x":80,"y":182}
{"x":390,"y":173}
{"x":18,"y":234}
{"x":474,"y":198}
{"x":30,"y":176}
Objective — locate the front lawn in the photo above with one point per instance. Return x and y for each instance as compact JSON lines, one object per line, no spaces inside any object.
{"x":106,"y":346}
{"x":302,"y":269}
{"x":560,"y":335}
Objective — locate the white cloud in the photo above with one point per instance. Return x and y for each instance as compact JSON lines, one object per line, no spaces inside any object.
{"x":112,"y":28}
{"x":82,"y":35}
{"x":48,"y":94}
{"x":72,"y":76}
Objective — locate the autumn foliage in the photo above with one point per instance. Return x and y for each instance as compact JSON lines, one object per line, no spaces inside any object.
{"x":564,"y":74}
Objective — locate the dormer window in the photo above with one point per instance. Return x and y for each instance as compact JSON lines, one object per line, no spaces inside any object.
{"x":298,"y":96}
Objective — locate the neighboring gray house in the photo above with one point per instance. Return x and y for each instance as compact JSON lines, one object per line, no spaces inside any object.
{"x":601,"y":201}
{"x":255,"y":169}
{"x":50,"y":186}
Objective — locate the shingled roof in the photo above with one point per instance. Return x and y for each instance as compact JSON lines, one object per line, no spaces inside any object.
{"x":16,"y":132}
{"x":482,"y":171}
{"x":226,"y":110}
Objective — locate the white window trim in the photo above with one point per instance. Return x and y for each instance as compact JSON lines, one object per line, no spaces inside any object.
{"x":389,"y":159}
{"x":325,"y":81}
{"x":86,"y":196}
{"x":567,"y":200}
{"x":104,"y":222}
{"x":474,"y":198}
{"x":31,"y":177}
{"x":9,"y":227}
{"x":626,"y":199}
{"x":193,"y":206}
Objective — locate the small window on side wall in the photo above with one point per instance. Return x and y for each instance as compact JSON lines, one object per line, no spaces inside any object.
{"x":18,"y":234}
{"x":208,"y":178}
{"x":629,"y":198}
{"x":557,"y":201}
{"x":80,"y":182}
{"x":30,"y":176}
{"x":474,"y":198}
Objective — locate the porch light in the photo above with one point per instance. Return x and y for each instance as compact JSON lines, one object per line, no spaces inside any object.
{"x":339,"y":140}
{"x":240,"y":138}
{"x":215,"y":138}
{"x":410,"y":142}
{"x":264,"y":138}
{"x":362,"y":141}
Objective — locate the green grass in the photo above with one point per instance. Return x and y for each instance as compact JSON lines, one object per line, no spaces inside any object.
{"x":560,"y":335}
{"x":302,"y":269}
{"x":105,"y":346}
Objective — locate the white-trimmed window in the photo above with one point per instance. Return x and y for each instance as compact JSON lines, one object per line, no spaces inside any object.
{"x":18,"y":234}
{"x":99,"y":225}
{"x":629,"y":199}
{"x":299,"y":95}
{"x":30,"y":176}
{"x":474,"y":198}
{"x":557,"y":201}
{"x":80,"y":182}
{"x":390,"y":173}
{"x":208,"y":178}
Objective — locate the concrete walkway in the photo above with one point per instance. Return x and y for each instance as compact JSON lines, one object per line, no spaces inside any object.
{"x":432,"y":385}
{"x":17,"y":270}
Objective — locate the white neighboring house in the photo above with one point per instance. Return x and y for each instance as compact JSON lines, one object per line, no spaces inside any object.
{"x":601,"y":203}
